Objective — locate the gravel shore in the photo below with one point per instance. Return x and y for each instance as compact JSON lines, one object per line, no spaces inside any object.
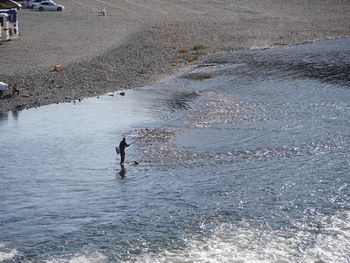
{"x":138,"y":42}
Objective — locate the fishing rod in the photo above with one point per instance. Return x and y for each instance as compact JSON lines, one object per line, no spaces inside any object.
{"x":153,"y":130}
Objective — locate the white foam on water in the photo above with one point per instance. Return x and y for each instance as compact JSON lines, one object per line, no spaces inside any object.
{"x":324,"y":239}
{"x":94,"y":257}
{"x":6,"y":253}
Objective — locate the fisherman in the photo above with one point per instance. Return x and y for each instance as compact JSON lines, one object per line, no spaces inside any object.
{"x":122,"y":146}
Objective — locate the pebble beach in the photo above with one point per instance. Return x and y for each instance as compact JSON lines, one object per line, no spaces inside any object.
{"x":139,"y":42}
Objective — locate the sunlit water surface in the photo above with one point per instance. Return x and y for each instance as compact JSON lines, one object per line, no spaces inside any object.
{"x":250,"y":164}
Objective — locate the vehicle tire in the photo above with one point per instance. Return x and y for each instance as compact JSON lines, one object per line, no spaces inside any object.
{"x":41,"y":8}
{"x":59,"y":8}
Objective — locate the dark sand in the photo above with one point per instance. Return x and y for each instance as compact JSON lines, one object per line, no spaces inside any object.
{"x":138,"y":42}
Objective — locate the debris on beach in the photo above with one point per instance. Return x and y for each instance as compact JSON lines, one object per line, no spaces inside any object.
{"x":57,"y":68}
{"x":103,"y":12}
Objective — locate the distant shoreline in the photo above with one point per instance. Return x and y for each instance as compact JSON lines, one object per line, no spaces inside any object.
{"x":127,"y":50}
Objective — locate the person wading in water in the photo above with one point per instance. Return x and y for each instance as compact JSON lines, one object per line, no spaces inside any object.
{"x":122,"y":146}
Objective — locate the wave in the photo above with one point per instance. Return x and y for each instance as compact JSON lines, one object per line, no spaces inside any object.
{"x":6,"y":253}
{"x":322,"y":239}
{"x":94,"y":257}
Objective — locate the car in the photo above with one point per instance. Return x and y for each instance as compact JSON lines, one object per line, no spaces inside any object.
{"x":32,"y":3}
{"x":8,"y":4}
{"x":48,"y":6}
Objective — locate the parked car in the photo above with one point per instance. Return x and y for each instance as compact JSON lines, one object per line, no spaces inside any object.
{"x":8,"y":4}
{"x":48,"y":6}
{"x":32,"y":3}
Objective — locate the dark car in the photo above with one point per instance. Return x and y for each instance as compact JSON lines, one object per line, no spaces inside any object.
{"x":8,"y":4}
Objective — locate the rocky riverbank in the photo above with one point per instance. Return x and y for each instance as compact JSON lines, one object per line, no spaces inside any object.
{"x":148,"y":45}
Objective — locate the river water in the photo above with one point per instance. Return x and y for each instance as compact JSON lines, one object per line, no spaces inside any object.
{"x":251,"y":163}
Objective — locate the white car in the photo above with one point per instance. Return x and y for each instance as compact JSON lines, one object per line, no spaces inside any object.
{"x":48,"y":6}
{"x":32,"y":3}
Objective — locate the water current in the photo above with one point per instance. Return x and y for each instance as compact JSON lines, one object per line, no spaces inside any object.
{"x":251,"y":164}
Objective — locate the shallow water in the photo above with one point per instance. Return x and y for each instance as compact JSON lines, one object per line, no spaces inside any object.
{"x":251,"y":164}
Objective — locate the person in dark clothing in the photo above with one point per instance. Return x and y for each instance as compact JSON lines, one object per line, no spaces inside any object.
{"x":122,"y":146}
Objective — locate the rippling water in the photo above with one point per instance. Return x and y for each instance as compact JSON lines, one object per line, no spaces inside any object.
{"x":251,"y":164}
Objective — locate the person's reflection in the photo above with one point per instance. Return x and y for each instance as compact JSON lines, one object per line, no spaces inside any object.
{"x":15,"y":114}
{"x":122,"y":171}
